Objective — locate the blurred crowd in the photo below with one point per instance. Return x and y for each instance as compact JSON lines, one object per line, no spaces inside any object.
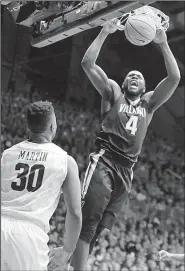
{"x":152,"y":219}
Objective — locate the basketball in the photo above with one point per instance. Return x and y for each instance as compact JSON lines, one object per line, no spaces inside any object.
{"x":140,"y":29}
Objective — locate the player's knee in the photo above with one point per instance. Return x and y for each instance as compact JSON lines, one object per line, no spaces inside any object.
{"x":100,"y":229}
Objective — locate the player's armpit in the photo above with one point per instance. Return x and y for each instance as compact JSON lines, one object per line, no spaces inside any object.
{"x":162,"y":93}
{"x":72,"y":197}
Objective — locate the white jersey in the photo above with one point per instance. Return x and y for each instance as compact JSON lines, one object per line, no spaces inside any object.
{"x":31,"y":178}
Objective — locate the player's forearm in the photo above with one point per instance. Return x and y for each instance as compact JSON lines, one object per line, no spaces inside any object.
{"x":93,"y":51}
{"x":177,"y":257}
{"x":73,"y":224}
{"x":170,"y":62}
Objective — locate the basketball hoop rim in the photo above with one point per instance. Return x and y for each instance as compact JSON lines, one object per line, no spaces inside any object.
{"x":161,"y":19}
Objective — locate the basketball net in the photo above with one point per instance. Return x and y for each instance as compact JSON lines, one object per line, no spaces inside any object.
{"x":161,"y":20}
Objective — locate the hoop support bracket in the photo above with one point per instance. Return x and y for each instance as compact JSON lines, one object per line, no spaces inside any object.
{"x":90,"y":21}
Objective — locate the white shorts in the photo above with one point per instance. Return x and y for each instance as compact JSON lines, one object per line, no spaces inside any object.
{"x":23,"y":246}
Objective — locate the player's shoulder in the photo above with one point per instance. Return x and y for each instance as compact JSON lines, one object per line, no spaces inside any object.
{"x":114,"y":85}
{"x":71,"y":161}
{"x":116,"y":90}
{"x":58,"y":150}
{"x":13,"y":148}
{"x":72,"y":167}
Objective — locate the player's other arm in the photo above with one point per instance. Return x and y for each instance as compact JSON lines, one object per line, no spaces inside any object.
{"x":72,"y":197}
{"x":177,"y":257}
{"x":164,"y":255}
{"x":167,"y":86}
{"x":97,"y":76}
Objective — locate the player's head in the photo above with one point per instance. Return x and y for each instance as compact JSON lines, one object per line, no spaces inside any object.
{"x":134,"y":84}
{"x":41,"y":119}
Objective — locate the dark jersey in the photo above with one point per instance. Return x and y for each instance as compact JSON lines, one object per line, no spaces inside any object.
{"x":124,"y":128}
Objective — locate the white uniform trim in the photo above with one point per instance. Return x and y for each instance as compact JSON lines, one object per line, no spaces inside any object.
{"x":89,"y":172}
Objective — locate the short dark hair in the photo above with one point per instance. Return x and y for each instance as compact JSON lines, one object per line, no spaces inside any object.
{"x":38,"y":116}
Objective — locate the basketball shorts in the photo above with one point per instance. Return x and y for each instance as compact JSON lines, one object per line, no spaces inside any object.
{"x":23,"y":246}
{"x":106,"y":187}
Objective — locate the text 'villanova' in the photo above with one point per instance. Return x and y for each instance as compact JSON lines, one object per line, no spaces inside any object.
{"x":131,"y":110}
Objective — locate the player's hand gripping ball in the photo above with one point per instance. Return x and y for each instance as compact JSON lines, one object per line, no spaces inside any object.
{"x":160,"y":36}
{"x":111,"y":26}
{"x":164,"y":255}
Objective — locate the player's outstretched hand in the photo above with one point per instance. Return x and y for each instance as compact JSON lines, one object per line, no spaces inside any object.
{"x":111,"y":26}
{"x":160,"y":36}
{"x":58,"y":258}
{"x":163,"y":255}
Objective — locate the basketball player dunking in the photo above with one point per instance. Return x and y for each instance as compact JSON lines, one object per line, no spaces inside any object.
{"x":33,"y":175}
{"x":126,"y":113}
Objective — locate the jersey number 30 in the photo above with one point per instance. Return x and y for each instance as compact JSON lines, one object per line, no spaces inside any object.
{"x":132,"y":124}
{"x":27,"y":177}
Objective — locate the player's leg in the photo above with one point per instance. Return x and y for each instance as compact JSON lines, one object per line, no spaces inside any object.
{"x":87,"y":248}
{"x":117,"y":203}
{"x":96,"y":200}
{"x":119,"y":198}
{"x":100,"y":229}
{"x":27,"y":245}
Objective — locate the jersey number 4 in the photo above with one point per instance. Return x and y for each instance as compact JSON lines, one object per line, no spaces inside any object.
{"x":27,"y":177}
{"x":132,"y":124}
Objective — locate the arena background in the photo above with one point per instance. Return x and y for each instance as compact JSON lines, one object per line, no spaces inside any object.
{"x":154,"y":219}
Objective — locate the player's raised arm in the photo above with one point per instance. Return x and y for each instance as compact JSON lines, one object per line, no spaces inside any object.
{"x":167,"y":86}
{"x":96,"y":75}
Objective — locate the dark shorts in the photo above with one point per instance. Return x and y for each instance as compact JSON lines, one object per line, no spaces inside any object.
{"x":105,"y":188}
